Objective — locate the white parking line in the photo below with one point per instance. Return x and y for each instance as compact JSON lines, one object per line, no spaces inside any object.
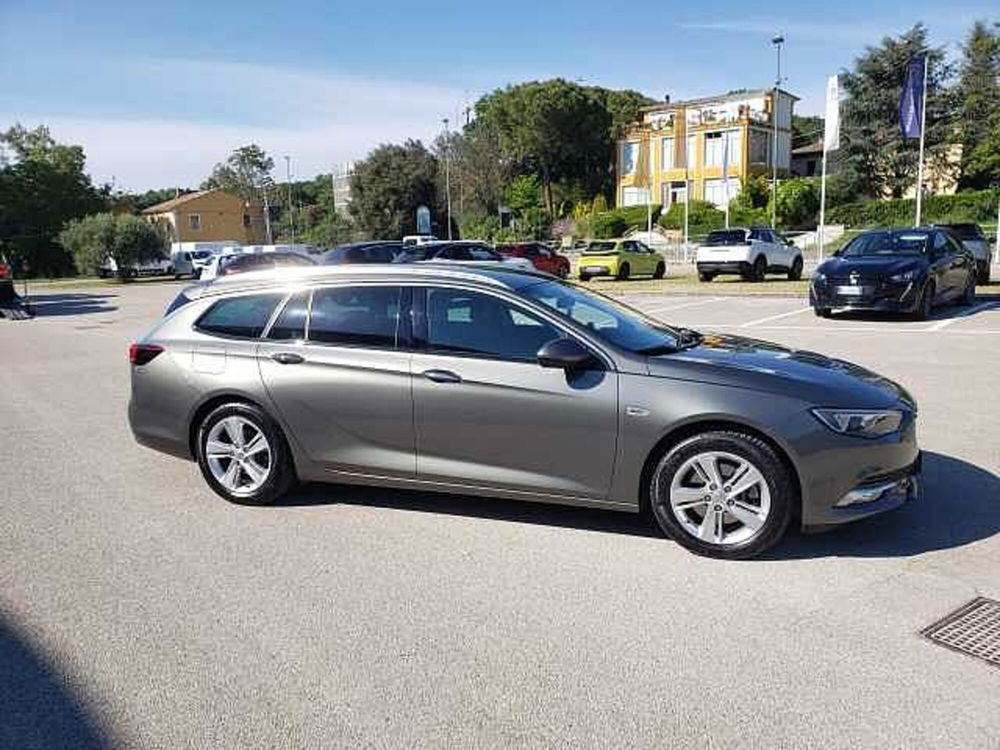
{"x":965,"y":314}
{"x":656,"y":310}
{"x":779,"y":316}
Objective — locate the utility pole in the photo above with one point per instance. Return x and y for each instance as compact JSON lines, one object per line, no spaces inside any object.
{"x":777,"y":40}
{"x":447,"y":173}
{"x":288,"y":181}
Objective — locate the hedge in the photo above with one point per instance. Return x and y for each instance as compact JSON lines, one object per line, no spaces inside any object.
{"x":978,"y":206}
{"x":616,"y":222}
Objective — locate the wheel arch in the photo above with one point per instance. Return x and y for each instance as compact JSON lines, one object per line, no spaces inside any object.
{"x":689,"y":429}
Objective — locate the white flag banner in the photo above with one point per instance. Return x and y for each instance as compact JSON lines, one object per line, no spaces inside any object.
{"x":831,"y":133}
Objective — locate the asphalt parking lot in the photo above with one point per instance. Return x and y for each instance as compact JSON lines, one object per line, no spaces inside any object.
{"x":137,"y":609}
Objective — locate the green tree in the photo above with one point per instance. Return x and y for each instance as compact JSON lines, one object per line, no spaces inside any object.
{"x":125,"y":239}
{"x":247,"y":173}
{"x":389,"y":185}
{"x":42,"y":186}
{"x":873,"y":153}
{"x":978,"y":92}
{"x":554,"y":129}
{"x":798,"y":202}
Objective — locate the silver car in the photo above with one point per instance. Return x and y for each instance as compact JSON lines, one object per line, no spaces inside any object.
{"x":513,"y":384}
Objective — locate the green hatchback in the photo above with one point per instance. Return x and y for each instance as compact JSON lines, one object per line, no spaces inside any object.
{"x":620,"y":259}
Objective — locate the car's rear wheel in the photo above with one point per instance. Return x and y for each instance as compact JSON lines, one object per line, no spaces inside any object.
{"x":795,"y":272}
{"x":584,"y":277}
{"x":660,"y":271}
{"x":243,"y":455}
{"x":562,"y":272}
{"x":623,"y":271}
{"x":705,"y":276}
{"x":723,"y":494}
{"x":759,"y":268}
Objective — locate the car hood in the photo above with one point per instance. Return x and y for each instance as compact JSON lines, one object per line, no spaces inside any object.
{"x":760,"y":365}
{"x":873,"y":265}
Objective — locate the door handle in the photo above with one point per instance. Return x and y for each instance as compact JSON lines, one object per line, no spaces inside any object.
{"x":288,"y":358}
{"x":442,"y":376}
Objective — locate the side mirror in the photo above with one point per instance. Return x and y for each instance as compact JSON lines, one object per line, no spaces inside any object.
{"x":565,"y":354}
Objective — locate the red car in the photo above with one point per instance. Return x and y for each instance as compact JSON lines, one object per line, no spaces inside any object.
{"x":541,"y":256}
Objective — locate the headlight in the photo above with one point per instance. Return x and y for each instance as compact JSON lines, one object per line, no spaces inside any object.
{"x":860,"y":422}
{"x":910,"y":275}
{"x":819,"y":278}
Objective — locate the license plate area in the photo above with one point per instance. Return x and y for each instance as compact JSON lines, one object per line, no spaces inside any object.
{"x":853,"y":291}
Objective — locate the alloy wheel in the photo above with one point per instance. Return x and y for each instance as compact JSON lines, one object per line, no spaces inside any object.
{"x":720,"y":498}
{"x":238,"y":455}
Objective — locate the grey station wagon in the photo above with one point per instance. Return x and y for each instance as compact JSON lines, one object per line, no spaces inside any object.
{"x":506,"y":383}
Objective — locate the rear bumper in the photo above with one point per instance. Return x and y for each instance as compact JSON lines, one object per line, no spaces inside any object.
{"x":723,"y":266}
{"x":596,"y":270}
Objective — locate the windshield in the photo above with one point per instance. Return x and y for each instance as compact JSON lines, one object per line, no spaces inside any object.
{"x":608,"y":319}
{"x":597,"y":248}
{"x":200,"y":254}
{"x":886,"y":243}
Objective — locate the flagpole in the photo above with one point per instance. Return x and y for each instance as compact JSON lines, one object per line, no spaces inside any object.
{"x":687,"y":197}
{"x":820,"y":239}
{"x":725,"y":174}
{"x":920,"y":164}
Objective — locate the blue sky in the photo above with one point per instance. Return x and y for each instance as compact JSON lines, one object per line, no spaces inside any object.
{"x":156,"y":93}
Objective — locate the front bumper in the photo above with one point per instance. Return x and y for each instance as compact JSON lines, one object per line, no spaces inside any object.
{"x":852,"y":478}
{"x":879,"y":297}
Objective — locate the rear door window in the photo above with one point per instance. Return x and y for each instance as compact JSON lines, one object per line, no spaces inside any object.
{"x":356,"y":316}
{"x":290,"y":324}
{"x":239,"y":317}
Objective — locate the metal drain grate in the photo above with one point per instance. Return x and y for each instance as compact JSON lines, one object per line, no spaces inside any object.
{"x":973,"y":629}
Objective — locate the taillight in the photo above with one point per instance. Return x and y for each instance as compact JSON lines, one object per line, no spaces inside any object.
{"x":143,"y":354}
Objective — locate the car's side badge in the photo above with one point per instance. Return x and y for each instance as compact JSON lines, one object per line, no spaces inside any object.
{"x":636,"y":411}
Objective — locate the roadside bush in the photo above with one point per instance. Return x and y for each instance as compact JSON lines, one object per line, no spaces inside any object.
{"x":615,"y":223}
{"x":126,"y":239}
{"x":978,"y":206}
{"x":480,"y":227}
{"x":798,"y":202}
{"x":703,"y":217}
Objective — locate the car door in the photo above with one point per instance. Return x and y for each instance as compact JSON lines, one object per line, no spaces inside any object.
{"x":488,"y":415}
{"x":783,"y":251}
{"x":629,"y":255}
{"x":335,"y":364}
{"x":958,"y":264}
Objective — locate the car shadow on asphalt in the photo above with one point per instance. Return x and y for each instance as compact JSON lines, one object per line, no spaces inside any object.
{"x":62,"y":305}
{"x":960,"y":504}
{"x":37,"y":706}
{"x":474,"y":506}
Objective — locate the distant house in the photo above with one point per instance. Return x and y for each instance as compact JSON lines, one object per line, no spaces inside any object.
{"x":209,"y":216}
{"x":807,"y":160}
{"x":684,"y":146}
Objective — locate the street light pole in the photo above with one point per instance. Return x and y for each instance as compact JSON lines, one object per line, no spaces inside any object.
{"x":447,"y":174}
{"x":288,"y":180}
{"x":777,"y":40}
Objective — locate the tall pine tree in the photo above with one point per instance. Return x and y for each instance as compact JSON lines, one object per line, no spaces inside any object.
{"x":979,"y":108}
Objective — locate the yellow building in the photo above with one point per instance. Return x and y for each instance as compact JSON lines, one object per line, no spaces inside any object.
{"x":209,"y":216}
{"x":683,"y":146}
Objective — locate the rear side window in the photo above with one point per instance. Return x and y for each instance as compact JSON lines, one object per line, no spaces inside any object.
{"x":179,"y":301}
{"x":356,"y":316}
{"x":290,"y":324}
{"x":240,"y":317}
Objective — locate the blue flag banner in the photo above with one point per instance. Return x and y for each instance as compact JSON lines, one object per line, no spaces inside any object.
{"x":911,"y":103}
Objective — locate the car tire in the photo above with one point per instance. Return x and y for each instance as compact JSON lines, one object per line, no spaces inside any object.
{"x":925,"y":305}
{"x":623,"y":272}
{"x":759,"y":268}
{"x":795,"y":272}
{"x":660,"y":271}
{"x":968,"y":298}
{"x":242,"y":484}
{"x":562,"y":272}
{"x":705,"y":276}
{"x":584,"y":277}
{"x":984,"y":275}
{"x":677,"y":481}
{"x":822,"y":312}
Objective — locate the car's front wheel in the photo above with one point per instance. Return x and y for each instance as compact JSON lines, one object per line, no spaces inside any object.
{"x":660,"y":270}
{"x":723,"y":494}
{"x":795,"y":272}
{"x":968,"y":297}
{"x":925,"y":305}
{"x":623,"y":272}
{"x":243,"y":455}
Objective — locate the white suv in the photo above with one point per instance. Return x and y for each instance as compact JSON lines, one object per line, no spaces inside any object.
{"x":751,"y":253}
